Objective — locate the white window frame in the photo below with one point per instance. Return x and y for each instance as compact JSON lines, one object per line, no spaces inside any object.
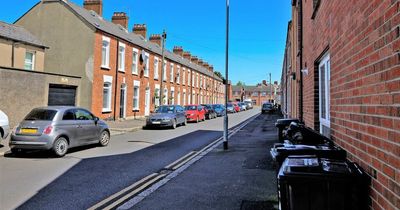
{"x":155,"y":67}
{"x":107,"y":79}
{"x":121,"y":57}
{"x":184,"y":97}
{"x":165,"y":95}
{"x":165,"y":71}
{"x":172,"y":92}
{"x":171,"y":72}
{"x":32,"y":62}
{"x":105,"y":62}
{"x":325,"y":61}
{"x":136,"y":84}
{"x":157,"y":91}
{"x":178,"y":74}
{"x":135,"y":62}
{"x":147,"y":67}
{"x":197,"y":80}
{"x":183,"y":76}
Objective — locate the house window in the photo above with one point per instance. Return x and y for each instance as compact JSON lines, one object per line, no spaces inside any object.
{"x":201,"y":81}
{"x":197,"y":80}
{"x":30,"y":61}
{"x":178,"y":74}
{"x":172,"y":98}
{"x":135,"y":59}
{"x":183,"y":76}
{"x":165,"y":96}
{"x":107,"y":85}
{"x":165,"y":71}
{"x":171,"y":73}
{"x":136,"y":94}
{"x":263,"y":93}
{"x":179,"y":97}
{"x":193,"y":79}
{"x":324,"y":95}
{"x":184,"y":97}
{"x":121,"y":57}
{"x":147,"y":62}
{"x":105,"y":53}
{"x":157,"y":95}
{"x":156,"y":68}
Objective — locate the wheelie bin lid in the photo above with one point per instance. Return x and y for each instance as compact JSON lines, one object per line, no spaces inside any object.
{"x":285,"y":122}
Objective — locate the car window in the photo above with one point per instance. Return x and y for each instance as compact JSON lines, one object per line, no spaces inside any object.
{"x":165,"y":109}
{"x":41,"y":114}
{"x":81,"y":114}
{"x":69,"y":115}
{"x":190,"y":107}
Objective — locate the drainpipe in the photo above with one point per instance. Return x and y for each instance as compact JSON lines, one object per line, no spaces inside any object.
{"x":116,"y":83}
{"x":12,"y":54}
{"x":301,"y":59}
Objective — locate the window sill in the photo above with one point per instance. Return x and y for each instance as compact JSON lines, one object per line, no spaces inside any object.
{"x":105,"y":67}
{"x":135,"y":110}
{"x":147,"y":76}
{"x":135,"y":73}
{"x":106,"y":111}
{"x":156,"y":78}
{"x":121,"y":70}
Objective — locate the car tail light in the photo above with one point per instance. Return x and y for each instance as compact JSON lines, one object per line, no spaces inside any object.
{"x":48,"y":129}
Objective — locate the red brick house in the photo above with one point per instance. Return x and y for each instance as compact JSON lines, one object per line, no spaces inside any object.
{"x":346,"y":75}
{"x":121,"y":70}
{"x":258,"y":94}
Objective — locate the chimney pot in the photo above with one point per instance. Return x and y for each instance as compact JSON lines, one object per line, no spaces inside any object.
{"x":178,"y":50}
{"x":95,"y":5}
{"x":155,"y":38}
{"x":194,"y":59}
{"x":211,"y":68}
{"x":140,"y":29}
{"x":200,"y":62}
{"x":120,"y":18}
{"x":187,"y":55}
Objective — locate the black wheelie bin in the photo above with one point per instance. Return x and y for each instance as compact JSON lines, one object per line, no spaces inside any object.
{"x":282,"y":124}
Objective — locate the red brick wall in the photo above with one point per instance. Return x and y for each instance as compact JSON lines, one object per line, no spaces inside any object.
{"x":362,"y":37}
{"x":97,"y":92}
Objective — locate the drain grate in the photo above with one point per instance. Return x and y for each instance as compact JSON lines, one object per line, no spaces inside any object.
{"x":258,"y":205}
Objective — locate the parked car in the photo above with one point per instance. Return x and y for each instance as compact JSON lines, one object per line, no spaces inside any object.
{"x":210,"y":112}
{"x":167,"y":116}
{"x":249,"y":104}
{"x":58,"y":128}
{"x":4,"y":126}
{"x":219,"y":109}
{"x":230,"y":108}
{"x":242,"y":106}
{"x":267,"y":108}
{"x":236,"y":107}
{"x":195,"y":113}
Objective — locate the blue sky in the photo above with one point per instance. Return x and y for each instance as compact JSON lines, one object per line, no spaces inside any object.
{"x":257,"y":30}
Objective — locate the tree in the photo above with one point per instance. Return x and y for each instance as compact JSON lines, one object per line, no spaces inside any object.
{"x":219,"y":75}
{"x":240,"y":83}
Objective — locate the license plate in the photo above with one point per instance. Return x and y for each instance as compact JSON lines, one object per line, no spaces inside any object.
{"x":28,"y":130}
{"x":156,"y":122}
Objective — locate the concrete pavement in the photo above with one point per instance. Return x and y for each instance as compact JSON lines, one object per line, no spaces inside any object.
{"x":241,"y":178}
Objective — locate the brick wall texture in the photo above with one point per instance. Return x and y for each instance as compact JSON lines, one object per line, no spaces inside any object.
{"x":362,"y":39}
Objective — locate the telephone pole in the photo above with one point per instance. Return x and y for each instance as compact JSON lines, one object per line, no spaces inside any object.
{"x":270,"y":88}
{"x":226,"y":78}
{"x":164,"y":37}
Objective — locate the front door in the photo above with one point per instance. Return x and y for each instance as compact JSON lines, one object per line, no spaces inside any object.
{"x":147,"y":102}
{"x":122,"y":106}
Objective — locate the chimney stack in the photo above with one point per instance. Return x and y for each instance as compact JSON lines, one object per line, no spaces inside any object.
{"x":156,"y":38}
{"x":275,"y":82}
{"x":95,"y":5}
{"x":187,"y":55}
{"x":206,"y":65}
{"x":200,"y":62}
{"x":178,"y":50}
{"x":264,"y":82}
{"x":120,"y":18}
{"x":194,"y":59}
{"x":140,"y":29}
{"x":211,"y":68}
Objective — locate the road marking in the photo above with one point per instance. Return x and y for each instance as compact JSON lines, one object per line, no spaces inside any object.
{"x":135,"y":200}
{"x":136,"y":187}
{"x":171,"y":166}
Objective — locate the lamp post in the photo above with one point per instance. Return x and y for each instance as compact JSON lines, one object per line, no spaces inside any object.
{"x":225,"y":143}
{"x":164,"y":37}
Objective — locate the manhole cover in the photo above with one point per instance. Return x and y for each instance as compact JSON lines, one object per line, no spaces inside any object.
{"x":258,"y":205}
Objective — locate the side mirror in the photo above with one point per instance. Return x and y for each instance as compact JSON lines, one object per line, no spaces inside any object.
{"x":96,"y":120}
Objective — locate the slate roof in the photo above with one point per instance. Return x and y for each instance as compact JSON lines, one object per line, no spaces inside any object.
{"x":103,"y":25}
{"x":17,"y":33}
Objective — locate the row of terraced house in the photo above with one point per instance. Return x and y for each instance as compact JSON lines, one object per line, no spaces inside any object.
{"x":119,"y":70}
{"x":341,"y":77}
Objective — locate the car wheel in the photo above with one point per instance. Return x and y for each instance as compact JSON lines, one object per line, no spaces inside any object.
{"x":60,"y":146}
{"x":184,"y":122}
{"x":173,"y":124}
{"x":104,"y":138}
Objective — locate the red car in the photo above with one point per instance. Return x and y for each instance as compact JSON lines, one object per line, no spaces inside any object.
{"x":236,"y":107}
{"x":195,"y":113}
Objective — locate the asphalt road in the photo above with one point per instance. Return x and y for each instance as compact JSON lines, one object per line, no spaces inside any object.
{"x":87,"y":175}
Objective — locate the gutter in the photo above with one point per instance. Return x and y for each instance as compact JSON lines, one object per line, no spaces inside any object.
{"x":301,"y":113}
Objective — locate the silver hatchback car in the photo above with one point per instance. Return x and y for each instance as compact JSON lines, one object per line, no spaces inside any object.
{"x":58,"y":129}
